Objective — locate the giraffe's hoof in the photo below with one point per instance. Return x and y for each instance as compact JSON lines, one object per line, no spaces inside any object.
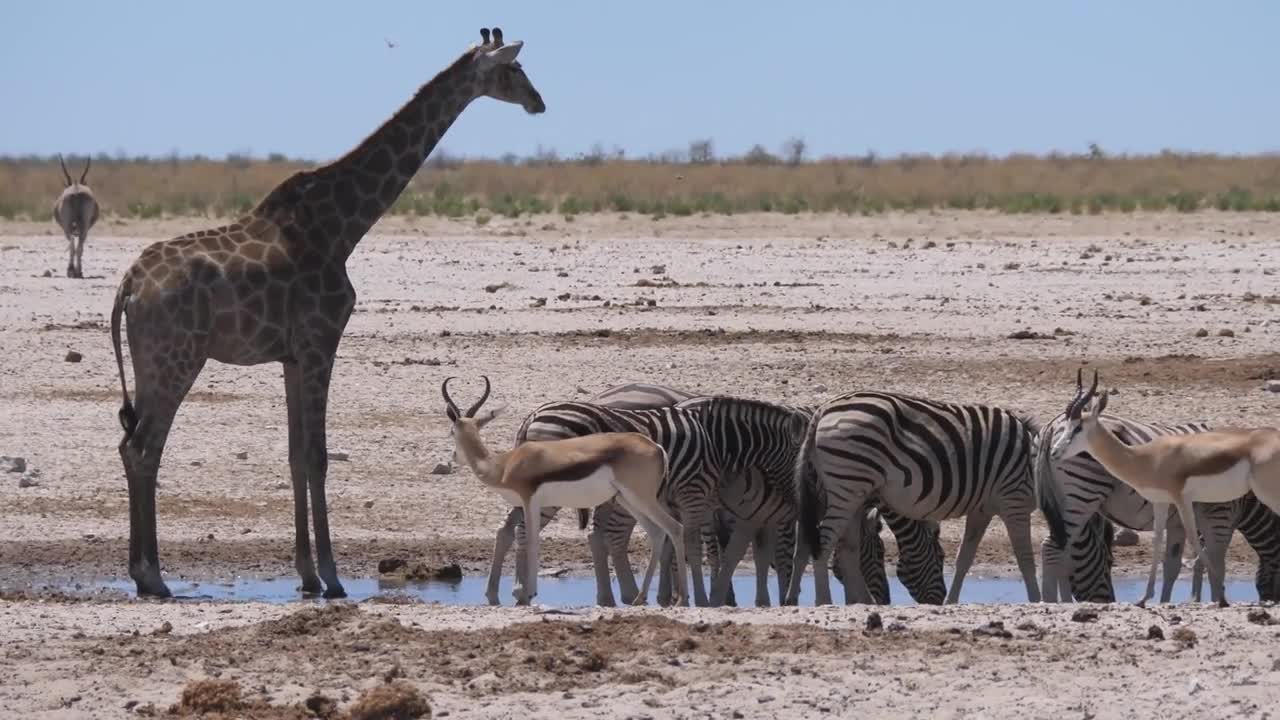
{"x":334,"y":592}
{"x":1223,"y":603}
{"x":155,"y":590}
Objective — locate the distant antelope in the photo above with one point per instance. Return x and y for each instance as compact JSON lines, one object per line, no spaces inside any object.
{"x":75,"y":211}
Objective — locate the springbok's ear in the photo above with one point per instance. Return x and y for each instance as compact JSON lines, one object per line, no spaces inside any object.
{"x":488,"y":415}
{"x":1101,"y":404}
{"x":504,"y":55}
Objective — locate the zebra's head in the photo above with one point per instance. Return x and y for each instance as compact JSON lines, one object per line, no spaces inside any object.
{"x":465,"y":427}
{"x":1079,"y":420}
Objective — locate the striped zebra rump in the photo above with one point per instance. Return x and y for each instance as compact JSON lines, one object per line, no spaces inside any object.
{"x":1260,"y":526}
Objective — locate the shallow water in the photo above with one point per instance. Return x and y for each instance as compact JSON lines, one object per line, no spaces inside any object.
{"x":580,"y":591}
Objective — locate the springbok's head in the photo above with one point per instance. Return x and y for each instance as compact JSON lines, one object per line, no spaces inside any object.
{"x":1081,"y":418}
{"x":67,"y":176}
{"x":466,"y":426}
{"x":500,"y":76}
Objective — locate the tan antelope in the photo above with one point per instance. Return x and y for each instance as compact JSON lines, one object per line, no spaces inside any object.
{"x":1215,"y":466}
{"x":75,"y":212}
{"x":581,"y":472}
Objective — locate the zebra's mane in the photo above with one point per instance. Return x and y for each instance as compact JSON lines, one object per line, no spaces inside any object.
{"x":747,"y":402}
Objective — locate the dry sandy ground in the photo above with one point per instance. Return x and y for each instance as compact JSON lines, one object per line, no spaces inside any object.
{"x":783,"y":308}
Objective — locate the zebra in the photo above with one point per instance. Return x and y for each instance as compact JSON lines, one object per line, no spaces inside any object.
{"x":927,"y":460}
{"x":1090,"y":559}
{"x":75,"y":211}
{"x":1073,"y":491}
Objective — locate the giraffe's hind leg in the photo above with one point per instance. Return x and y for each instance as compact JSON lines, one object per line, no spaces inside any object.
{"x":302,"y":559}
{"x":163,"y":380}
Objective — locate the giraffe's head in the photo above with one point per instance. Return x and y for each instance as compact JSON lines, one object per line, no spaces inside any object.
{"x":500,"y":76}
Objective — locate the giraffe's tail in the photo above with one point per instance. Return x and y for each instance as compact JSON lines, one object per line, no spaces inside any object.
{"x":128,"y":417}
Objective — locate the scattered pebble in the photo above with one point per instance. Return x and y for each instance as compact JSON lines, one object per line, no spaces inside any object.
{"x":1272,"y":386}
{"x":73,"y":356}
{"x":442,"y":469}
{"x":1184,"y":635}
{"x":13,"y":464}
{"x":368,"y":504}
{"x":339,"y":455}
{"x":995,"y":628}
{"x":1202,"y":332}
{"x":242,"y":455}
{"x":165,"y":628}
{"x":496,"y":287}
{"x":538,"y":302}
{"x":1155,"y":633}
{"x":1226,"y":332}
{"x":819,"y":388}
{"x":1261,"y":617}
{"x":1084,"y":615}
{"x":874,"y":622}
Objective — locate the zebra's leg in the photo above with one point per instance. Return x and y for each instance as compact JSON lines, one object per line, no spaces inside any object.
{"x":1216,"y":528}
{"x":1050,"y":583}
{"x":1161,"y":518}
{"x":694,"y":518}
{"x":501,"y":546}
{"x":722,"y":580}
{"x":764,"y":552}
{"x":975,"y":526}
{"x":1018,"y":526}
{"x":784,"y":550}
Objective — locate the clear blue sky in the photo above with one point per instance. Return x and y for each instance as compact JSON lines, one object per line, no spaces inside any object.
{"x":312,"y":78}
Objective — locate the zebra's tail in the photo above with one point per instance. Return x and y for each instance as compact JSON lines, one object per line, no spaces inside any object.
{"x":1048,"y":494}
{"x":806,"y":482}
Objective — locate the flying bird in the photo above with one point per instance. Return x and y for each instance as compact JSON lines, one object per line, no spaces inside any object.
{"x":389,"y":43}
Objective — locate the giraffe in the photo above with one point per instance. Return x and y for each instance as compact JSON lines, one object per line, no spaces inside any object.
{"x":273,"y":287}
{"x":75,"y":211}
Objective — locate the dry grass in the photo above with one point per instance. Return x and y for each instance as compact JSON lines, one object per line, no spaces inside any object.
{"x":1018,"y":183}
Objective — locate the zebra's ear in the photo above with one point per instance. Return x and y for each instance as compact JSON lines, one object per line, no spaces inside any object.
{"x":799,"y":424}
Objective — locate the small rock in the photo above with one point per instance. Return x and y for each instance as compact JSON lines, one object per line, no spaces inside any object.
{"x":819,"y":388}
{"x":165,"y":628}
{"x":538,"y":302}
{"x":1184,"y":635}
{"x":1272,"y":386}
{"x":995,"y":628}
{"x":1084,"y":615}
{"x":28,"y":479}
{"x":1275,"y":665}
{"x":658,"y":269}
{"x":496,"y":287}
{"x":47,"y":273}
{"x":13,"y":464}
{"x":1226,"y":332}
{"x":1126,"y":538}
{"x":1155,"y":633}
{"x":281,"y":486}
{"x":563,"y":296}
{"x":1194,"y":686}
{"x":73,"y":356}
{"x":339,"y":455}
{"x":390,"y":565}
{"x":896,"y":627}
{"x":874,"y":622}
{"x":1202,"y":332}
{"x":242,"y":455}
{"x":442,"y":469}
{"x":321,"y":706}
{"x":1028,"y":335}
{"x":1261,"y":617}
{"x":245,"y":531}
{"x":368,"y":504}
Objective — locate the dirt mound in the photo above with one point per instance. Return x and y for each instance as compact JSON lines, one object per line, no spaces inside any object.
{"x":202,"y":697}
{"x":394,"y":701}
{"x":310,"y":621}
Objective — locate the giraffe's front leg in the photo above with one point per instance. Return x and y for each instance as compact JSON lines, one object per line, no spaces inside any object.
{"x":302,"y":559}
{"x":315,"y":369}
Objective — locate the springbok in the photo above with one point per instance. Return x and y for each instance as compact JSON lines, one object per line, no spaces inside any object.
{"x":1215,"y":466}
{"x":581,"y":472}
{"x":75,"y":212}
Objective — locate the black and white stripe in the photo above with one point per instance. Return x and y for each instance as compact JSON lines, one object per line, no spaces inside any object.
{"x":1260,"y":526}
{"x":1073,"y":491}
{"x":926,"y":460}
{"x":1090,"y":559}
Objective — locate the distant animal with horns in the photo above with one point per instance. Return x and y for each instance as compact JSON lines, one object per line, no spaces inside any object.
{"x":75,"y":212}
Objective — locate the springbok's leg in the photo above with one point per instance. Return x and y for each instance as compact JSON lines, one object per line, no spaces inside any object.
{"x":501,"y":546}
{"x":654,"y":518}
{"x":1187,"y":511}
{"x":71,"y":254}
{"x":1018,"y":526}
{"x":975,"y":526}
{"x":1161,"y":518}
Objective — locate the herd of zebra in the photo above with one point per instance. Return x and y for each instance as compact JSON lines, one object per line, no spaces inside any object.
{"x":815,"y":484}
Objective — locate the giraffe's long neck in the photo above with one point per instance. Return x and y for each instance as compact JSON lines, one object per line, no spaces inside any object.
{"x":366,"y":181}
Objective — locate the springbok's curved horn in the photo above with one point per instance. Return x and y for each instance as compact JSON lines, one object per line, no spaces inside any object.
{"x":87,"y":162}
{"x":1093,"y":389}
{"x":65,"y":174}
{"x":484,"y":35}
{"x":1079,"y":380}
{"x":471,"y":411}
{"x":497,"y":37}
{"x":444,"y":390}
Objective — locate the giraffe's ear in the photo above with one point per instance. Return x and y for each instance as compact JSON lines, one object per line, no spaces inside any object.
{"x":504,"y":55}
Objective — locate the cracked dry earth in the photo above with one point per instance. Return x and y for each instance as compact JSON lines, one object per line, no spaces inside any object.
{"x":783,"y":308}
